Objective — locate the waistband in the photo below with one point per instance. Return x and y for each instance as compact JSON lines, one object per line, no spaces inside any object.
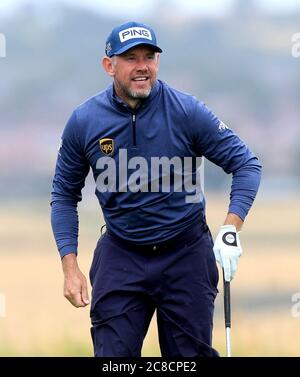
{"x":158,"y":247}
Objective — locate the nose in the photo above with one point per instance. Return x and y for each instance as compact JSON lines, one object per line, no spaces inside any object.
{"x":141,"y":65}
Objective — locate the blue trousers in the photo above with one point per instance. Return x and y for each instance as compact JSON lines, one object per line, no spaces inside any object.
{"x":178,"y":278}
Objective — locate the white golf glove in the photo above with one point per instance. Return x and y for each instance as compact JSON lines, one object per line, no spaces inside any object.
{"x":227,"y":250}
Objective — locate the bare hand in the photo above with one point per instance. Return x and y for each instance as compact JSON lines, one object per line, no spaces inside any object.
{"x":75,"y":283}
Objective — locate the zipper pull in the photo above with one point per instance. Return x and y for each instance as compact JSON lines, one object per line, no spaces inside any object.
{"x":133,"y":130}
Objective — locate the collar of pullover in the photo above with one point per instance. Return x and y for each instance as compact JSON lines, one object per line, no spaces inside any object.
{"x":117,"y":101}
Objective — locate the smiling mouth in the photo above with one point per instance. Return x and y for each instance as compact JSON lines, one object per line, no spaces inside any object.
{"x":141,"y":79}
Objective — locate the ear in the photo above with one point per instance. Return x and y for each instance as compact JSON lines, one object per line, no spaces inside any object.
{"x":158,"y":59}
{"x":108,"y":66}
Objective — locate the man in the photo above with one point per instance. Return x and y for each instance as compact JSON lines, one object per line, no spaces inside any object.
{"x":144,"y":141}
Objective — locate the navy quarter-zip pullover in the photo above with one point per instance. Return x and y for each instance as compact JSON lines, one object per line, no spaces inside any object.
{"x":168,"y":124}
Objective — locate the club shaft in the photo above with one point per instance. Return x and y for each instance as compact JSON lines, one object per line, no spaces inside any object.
{"x":227,"y":315}
{"x":228,"y":342}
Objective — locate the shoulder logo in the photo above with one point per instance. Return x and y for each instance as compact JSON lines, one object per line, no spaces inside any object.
{"x":222,"y":126}
{"x":60,"y":145}
{"x":107,"y":145}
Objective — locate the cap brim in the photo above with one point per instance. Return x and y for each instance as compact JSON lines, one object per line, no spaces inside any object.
{"x":137,"y":43}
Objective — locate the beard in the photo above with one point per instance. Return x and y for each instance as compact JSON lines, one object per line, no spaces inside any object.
{"x":135,"y":94}
{"x":140,"y":94}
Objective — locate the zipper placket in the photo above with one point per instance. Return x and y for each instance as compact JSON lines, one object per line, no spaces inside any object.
{"x":134,"y":129}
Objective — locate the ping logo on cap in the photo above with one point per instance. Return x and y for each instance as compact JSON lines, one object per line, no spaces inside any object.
{"x":134,"y":32}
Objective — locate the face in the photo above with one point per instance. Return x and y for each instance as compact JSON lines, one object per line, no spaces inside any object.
{"x":134,"y":72}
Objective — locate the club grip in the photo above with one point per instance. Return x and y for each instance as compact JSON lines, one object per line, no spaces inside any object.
{"x":227,"y":309}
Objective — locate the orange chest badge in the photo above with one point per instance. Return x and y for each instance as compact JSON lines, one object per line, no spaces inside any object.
{"x":107,"y":146}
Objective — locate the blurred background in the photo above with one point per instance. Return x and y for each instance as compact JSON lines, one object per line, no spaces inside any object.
{"x":237,"y":57}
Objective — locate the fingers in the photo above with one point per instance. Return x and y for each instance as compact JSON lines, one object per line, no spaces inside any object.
{"x":75,"y":291}
{"x":85,"y":295}
{"x":233,"y":263}
{"x":75,"y":299}
{"x":227,"y":269}
{"x":230,"y":267}
{"x":217,"y":255}
{"x":224,"y":261}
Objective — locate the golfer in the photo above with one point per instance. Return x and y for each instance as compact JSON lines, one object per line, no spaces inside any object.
{"x":144,"y":142}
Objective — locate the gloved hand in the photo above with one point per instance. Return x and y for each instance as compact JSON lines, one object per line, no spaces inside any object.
{"x":227,"y":250}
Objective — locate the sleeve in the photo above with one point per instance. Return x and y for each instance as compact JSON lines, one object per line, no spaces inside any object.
{"x":69,"y":179}
{"x":215,"y":141}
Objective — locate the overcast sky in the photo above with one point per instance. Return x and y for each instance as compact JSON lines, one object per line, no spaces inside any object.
{"x":140,"y":7}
